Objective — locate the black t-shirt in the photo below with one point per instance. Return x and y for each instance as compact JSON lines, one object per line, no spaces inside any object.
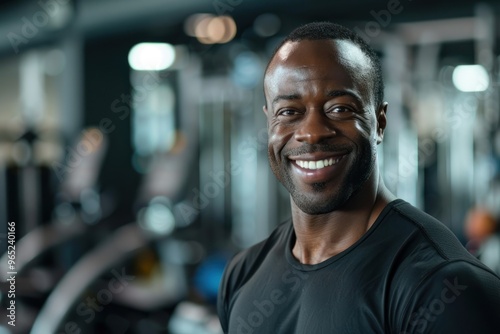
{"x":407,"y":274}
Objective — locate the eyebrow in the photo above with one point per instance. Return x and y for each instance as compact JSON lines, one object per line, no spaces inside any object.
{"x":285,"y":97}
{"x":332,"y":93}
{"x":337,"y":93}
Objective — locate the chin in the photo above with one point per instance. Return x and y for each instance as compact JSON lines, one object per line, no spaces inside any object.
{"x":317,"y":205}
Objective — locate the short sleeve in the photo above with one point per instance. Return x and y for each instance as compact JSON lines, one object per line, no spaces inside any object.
{"x":458,"y":297}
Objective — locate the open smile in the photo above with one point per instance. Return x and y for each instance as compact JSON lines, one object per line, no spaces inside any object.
{"x":312,"y":169}
{"x":317,"y":164}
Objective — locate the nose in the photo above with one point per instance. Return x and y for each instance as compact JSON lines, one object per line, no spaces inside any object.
{"x":314,"y":128}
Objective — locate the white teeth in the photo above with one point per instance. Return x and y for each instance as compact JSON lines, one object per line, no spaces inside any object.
{"x":317,"y":164}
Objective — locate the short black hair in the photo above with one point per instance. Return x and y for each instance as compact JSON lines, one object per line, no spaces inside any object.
{"x":329,"y":30}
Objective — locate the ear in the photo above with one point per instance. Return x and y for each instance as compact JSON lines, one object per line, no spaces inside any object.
{"x":264,"y":109}
{"x":381,"y":121}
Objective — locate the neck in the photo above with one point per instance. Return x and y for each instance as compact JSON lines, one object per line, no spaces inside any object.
{"x":320,"y":237}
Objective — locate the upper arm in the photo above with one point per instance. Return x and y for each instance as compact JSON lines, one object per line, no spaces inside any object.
{"x":459,"y":297}
{"x":228,"y":284}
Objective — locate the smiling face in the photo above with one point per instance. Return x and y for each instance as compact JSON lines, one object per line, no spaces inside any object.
{"x":322,"y":122}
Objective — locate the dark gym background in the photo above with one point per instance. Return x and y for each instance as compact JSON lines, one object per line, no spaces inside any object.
{"x":133,"y":145}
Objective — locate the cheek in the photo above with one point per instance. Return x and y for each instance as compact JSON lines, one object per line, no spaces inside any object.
{"x":274,"y":158}
{"x":273,"y":146}
{"x":366,"y":128}
{"x":278,"y":136}
{"x":273,"y":152}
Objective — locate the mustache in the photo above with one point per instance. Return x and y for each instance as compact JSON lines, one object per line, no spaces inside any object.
{"x":313,"y":148}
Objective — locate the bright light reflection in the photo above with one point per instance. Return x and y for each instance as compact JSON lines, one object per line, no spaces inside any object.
{"x":470,"y":78}
{"x":210,"y":29}
{"x":159,"y":219}
{"x":151,"y":56}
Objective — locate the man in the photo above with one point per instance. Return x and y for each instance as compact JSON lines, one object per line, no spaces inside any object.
{"x":353,"y":259}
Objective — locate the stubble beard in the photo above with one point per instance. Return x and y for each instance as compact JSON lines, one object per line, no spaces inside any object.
{"x":358,"y":173}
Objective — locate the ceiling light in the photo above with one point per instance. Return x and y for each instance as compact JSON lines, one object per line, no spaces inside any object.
{"x":470,"y":78}
{"x":151,"y":56}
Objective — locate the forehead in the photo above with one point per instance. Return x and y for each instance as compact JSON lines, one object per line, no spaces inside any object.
{"x":316,"y":51}
{"x":335,"y":61}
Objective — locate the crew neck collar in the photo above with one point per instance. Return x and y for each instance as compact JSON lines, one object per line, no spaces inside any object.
{"x":291,"y":237}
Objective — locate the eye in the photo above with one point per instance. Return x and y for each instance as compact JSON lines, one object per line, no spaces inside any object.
{"x":287,"y":112}
{"x":340,"y":112}
{"x":339,"y":109}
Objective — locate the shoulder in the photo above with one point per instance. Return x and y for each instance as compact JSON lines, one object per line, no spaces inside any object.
{"x":436,"y":285}
{"x":242,"y":266}
{"x":428,"y":247}
{"x":247,"y":261}
{"x":429,"y":233}
{"x":456,"y":297}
